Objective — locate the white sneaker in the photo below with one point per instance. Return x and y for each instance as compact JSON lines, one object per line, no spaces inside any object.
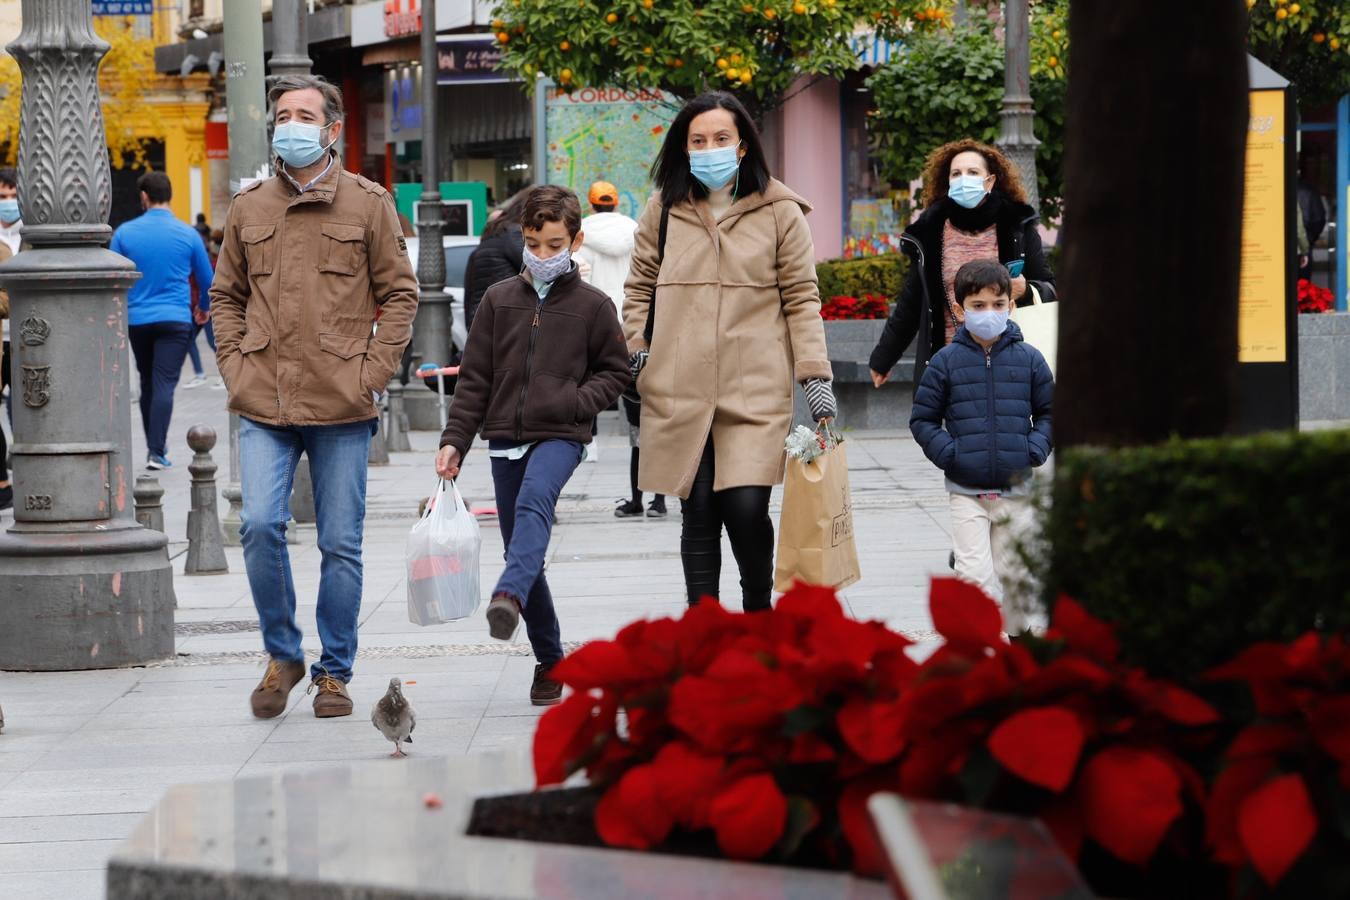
{"x":197,"y":381}
{"x":218,"y":383}
{"x":592,"y":451}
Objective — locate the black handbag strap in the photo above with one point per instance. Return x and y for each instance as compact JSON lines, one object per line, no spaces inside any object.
{"x":660,"y":258}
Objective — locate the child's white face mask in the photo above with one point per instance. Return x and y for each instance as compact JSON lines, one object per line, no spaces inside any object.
{"x":987,"y":324}
{"x":551,"y":269}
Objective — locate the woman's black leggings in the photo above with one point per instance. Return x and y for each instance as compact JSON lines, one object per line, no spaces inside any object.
{"x":745,"y":513}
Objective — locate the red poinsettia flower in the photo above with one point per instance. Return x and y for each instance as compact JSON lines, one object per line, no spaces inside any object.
{"x":1276,"y":824}
{"x":1040,"y":746}
{"x":964,"y":614}
{"x":631,"y":813}
{"x":749,"y":817}
{"x":1129,"y":797}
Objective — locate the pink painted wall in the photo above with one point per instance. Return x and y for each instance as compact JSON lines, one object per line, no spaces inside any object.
{"x":810,"y":158}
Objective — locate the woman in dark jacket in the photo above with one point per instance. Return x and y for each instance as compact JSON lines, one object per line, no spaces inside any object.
{"x":497,"y":256}
{"x":975,"y":207}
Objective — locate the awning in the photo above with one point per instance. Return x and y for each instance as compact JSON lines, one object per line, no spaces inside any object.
{"x":871,"y":50}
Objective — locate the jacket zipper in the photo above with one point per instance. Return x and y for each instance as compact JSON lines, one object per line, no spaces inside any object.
{"x":993,"y":415}
{"x":529,"y":364}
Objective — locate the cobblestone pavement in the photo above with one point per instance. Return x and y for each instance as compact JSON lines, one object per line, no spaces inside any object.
{"x":85,"y":754}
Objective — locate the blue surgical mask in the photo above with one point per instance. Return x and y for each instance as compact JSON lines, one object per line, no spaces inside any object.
{"x":299,"y":143}
{"x":548,"y":270}
{"x":967,"y":190}
{"x":714,"y":167}
{"x":9,"y":210}
{"x":987,"y":324}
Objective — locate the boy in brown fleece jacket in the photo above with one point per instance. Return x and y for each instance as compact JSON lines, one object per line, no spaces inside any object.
{"x":545,"y":355}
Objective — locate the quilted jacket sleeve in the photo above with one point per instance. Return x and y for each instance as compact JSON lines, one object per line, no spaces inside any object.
{"x":929,"y":411}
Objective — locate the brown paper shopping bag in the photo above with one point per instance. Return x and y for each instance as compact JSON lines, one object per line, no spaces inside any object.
{"x":815,"y":530}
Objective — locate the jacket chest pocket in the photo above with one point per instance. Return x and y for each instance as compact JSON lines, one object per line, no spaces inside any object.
{"x":344,"y":248}
{"x":259,"y":247}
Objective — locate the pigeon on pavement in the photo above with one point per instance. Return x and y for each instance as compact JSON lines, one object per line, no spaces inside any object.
{"x":393,"y":716}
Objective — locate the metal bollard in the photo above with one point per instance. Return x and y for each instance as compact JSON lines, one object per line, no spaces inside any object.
{"x":149,"y":502}
{"x":396,"y":434}
{"x":206,"y":543}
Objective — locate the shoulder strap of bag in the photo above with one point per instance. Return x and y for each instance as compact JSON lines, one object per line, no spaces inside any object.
{"x":660,"y":258}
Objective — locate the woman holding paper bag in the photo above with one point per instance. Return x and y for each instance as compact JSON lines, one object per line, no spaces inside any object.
{"x":722,"y":317}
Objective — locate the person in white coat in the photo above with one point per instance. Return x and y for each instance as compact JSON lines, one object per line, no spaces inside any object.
{"x":610,"y":238}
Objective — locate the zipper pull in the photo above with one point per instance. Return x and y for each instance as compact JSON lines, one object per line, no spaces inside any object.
{"x":988,"y":360}
{"x":535,"y":323}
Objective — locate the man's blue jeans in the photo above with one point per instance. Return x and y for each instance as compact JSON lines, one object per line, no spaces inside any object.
{"x":338,"y":456}
{"x":527,"y":499}
{"x":159,"y":348}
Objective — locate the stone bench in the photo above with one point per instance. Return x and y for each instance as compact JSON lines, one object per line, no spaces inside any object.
{"x":364,"y":832}
{"x":862,"y":406}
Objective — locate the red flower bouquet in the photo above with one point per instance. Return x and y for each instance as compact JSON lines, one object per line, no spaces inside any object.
{"x":869,"y":306}
{"x":772,"y":730}
{"x":1314,"y":299}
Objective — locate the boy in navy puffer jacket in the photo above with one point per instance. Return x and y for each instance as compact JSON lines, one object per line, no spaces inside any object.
{"x":982,"y":415}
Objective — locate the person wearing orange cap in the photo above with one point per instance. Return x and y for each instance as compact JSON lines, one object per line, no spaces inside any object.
{"x":610,"y":238}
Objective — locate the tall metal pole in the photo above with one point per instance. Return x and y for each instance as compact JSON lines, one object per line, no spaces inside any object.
{"x":290,"y":38}
{"x":1017,"y":136}
{"x":431,"y":328}
{"x":82,"y":584}
{"x":246,"y":102}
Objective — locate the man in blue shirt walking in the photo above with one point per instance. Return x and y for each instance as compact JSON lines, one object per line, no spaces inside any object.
{"x":159,"y":305}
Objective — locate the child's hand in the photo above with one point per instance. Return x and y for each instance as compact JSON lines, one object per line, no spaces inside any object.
{"x":447,"y":462}
{"x":879,"y":379}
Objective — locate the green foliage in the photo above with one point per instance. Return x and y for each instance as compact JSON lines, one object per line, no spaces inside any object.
{"x":757,"y":49}
{"x":881,"y":275}
{"x":1307,"y":42}
{"x":947,"y":85}
{"x":1195,"y":549}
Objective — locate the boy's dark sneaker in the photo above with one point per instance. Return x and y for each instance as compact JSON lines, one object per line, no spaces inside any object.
{"x":7,"y":496}
{"x":545,"y":691}
{"x":951,"y":560}
{"x":628,"y":509}
{"x":656,"y":509}
{"x":503,"y":615}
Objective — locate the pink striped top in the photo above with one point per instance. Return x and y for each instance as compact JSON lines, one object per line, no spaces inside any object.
{"x":958,"y":248}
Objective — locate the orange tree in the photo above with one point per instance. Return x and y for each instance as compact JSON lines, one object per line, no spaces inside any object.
{"x":126,"y":76}
{"x":1307,"y":41}
{"x":757,"y":49}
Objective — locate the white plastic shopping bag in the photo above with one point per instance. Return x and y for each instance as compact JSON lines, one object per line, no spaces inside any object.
{"x":443,"y":551}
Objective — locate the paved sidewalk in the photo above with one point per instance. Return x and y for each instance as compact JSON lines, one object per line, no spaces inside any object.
{"x":84,"y":755}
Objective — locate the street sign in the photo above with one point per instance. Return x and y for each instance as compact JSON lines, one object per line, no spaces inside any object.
{"x":468,"y":59}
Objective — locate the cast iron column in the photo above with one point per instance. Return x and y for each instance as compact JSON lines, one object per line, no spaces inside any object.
{"x":246,"y":103}
{"x":82,"y":584}
{"x":431,"y":328}
{"x":290,"y":38}
{"x":1017,"y":138}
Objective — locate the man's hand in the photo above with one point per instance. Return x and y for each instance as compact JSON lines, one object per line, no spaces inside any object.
{"x":1019,"y":287}
{"x":447,"y":462}
{"x":879,"y":379}
{"x":200,"y":316}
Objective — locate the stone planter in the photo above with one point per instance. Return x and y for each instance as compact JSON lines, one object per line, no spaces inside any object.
{"x":1323,"y":367}
{"x":862,"y":406}
{"x":365,"y":833}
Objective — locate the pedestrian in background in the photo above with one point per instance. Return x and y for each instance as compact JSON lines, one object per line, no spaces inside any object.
{"x":11,"y":226}
{"x":309,"y":255}
{"x":201,"y":318}
{"x":982,"y":414}
{"x":608,"y":251}
{"x":974,"y":208}
{"x":735,"y":312}
{"x":545,"y":355}
{"x":159,"y":305}
{"x":497,"y":256}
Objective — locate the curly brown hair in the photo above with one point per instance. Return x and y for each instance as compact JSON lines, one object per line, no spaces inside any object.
{"x":937,"y":168}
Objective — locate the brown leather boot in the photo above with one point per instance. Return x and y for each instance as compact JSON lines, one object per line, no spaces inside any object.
{"x":332,"y":699}
{"x":269,"y":697}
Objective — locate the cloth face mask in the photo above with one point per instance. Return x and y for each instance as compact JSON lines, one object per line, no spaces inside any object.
{"x":551,"y":269}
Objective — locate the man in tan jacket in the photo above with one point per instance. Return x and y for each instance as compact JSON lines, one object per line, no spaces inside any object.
{"x":309,"y":256}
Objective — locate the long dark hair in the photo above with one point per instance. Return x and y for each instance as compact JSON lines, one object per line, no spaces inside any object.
{"x":670,"y":172}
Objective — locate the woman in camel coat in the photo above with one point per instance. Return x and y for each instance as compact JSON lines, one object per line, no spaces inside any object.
{"x":735,"y":322}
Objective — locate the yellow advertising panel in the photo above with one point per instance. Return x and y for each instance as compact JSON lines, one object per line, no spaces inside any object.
{"x":1264,"y":292}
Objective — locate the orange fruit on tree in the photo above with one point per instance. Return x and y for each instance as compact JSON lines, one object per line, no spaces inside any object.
{"x":747,"y":8}
{"x":736,"y":57}
{"x":1053,"y":62}
{"x":918,"y":16}
{"x":614,"y":42}
{"x":1294,"y":9}
{"x":770,"y":12}
{"x":1281,"y":13}
{"x":722,"y":63}
{"x":799,"y":9}
{"x":647,"y":50}
{"x":646,"y":4}
{"x":612,"y":18}
{"x":498,"y":25}
{"x":565,"y":75}
{"x":679,"y":63}
{"x":1335,"y":43}
{"x":1057,"y":34}
{"x":1319,"y":37}
{"x":520,"y":29}
{"x":746,"y":77}
{"x":503,"y":36}
{"x":565,"y":46}
{"x":641,"y":67}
